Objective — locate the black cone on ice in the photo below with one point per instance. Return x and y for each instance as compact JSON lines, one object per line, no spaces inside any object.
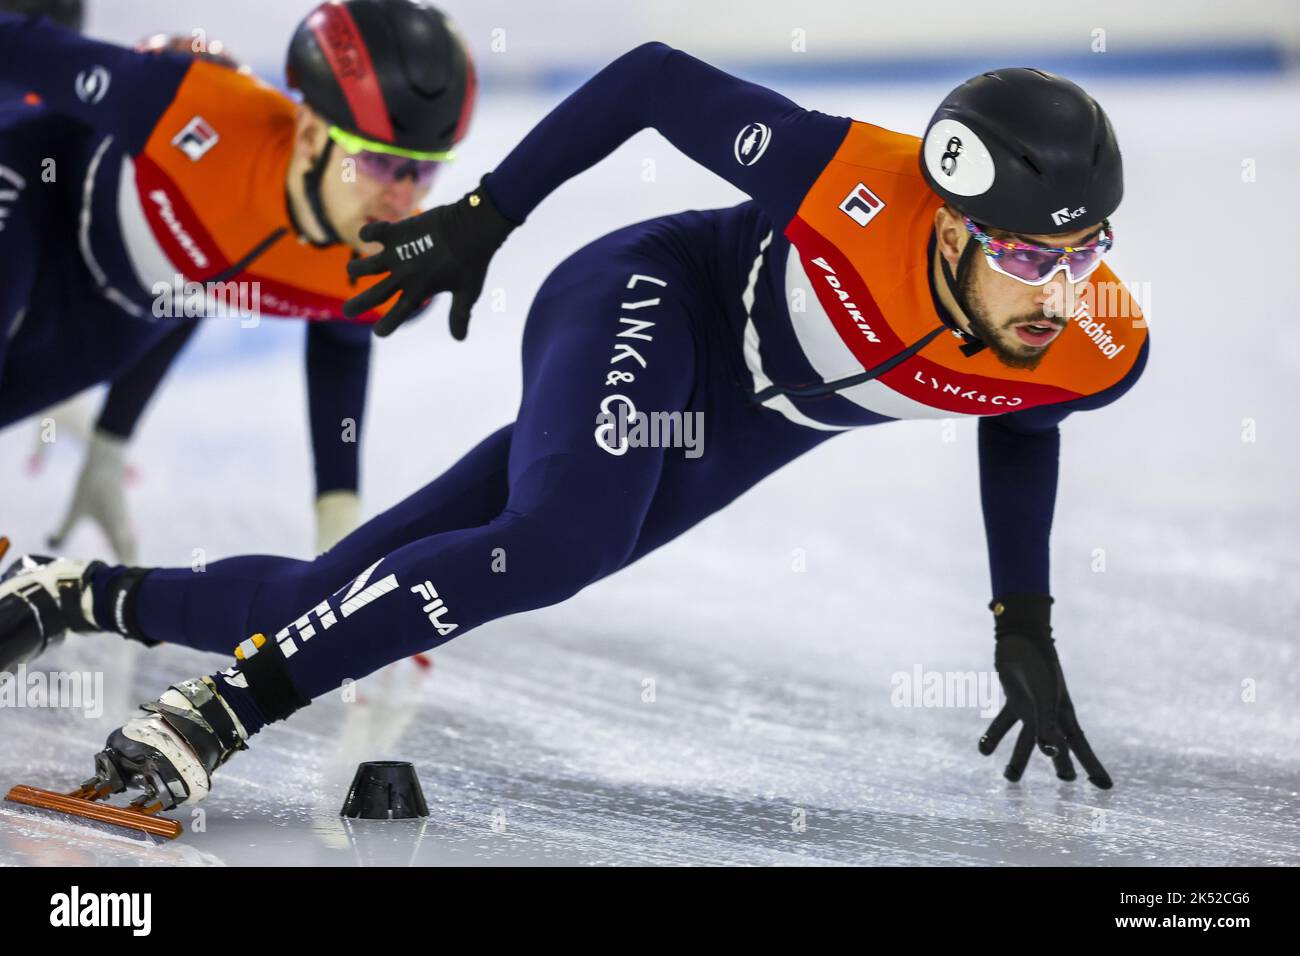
{"x":385,"y":790}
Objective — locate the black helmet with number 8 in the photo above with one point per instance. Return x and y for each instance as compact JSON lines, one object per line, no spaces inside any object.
{"x":1025,"y":151}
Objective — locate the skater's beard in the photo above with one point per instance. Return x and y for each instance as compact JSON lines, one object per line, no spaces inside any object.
{"x":999,"y":337}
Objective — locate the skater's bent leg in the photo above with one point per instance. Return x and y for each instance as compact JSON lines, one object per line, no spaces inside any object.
{"x":557,"y":536}
{"x":215,"y":608}
{"x":574,"y":513}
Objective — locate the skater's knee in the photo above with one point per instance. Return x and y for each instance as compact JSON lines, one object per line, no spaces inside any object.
{"x":572,"y":552}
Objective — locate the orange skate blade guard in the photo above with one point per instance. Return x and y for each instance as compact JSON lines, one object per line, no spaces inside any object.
{"x":4,"y":546}
{"x":82,"y":803}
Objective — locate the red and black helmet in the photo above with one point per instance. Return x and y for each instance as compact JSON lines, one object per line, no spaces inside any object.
{"x":390,"y":75}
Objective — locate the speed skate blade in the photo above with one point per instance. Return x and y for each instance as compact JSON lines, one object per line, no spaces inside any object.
{"x":4,"y":546}
{"x":82,"y":803}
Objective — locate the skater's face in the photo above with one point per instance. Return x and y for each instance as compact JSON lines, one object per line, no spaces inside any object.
{"x":1018,"y":321}
{"x":352,"y":196}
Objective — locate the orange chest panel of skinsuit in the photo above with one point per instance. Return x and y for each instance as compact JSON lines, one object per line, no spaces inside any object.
{"x":861,"y":236}
{"x":208,"y":201}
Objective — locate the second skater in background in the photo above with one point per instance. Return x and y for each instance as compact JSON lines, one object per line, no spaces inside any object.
{"x":175,"y":169}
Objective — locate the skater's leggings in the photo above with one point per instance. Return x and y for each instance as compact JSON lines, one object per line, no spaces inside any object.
{"x":534,"y":513}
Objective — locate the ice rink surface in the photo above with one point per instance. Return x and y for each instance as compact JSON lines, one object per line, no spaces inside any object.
{"x":771,"y":737}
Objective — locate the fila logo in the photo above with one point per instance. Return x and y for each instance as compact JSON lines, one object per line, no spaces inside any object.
{"x":751,"y":143}
{"x":862,"y":204}
{"x":358,"y":594}
{"x":350,"y":599}
{"x":196,"y":138}
{"x":435,"y":608}
{"x":92,"y":85}
{"x":1063,"y":215}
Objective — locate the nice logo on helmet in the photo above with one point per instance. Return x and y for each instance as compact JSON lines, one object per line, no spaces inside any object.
{"x":1064,"y":215}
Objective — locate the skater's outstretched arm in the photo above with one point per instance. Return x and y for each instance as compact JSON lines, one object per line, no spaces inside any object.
{"x":756,"y":139}
{"x":1019,"y":458}
{"x":753,"y":137}
{"x":1019,"y":455}
{"x":111,"y":89}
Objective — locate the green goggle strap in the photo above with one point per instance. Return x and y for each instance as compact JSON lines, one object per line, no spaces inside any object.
{"x":354,"y":144}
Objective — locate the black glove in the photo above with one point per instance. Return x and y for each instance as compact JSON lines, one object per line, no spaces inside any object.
{"x":1031,"y":678}
{"x":446,"y":249}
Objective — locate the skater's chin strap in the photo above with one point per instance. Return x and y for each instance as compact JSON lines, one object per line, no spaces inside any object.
{"x":261,"y":666}
{"x":311,"y":189}
{"x":973,"y":343}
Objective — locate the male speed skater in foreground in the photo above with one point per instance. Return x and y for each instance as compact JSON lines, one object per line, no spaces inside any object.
{"x":950,"y":275}
{"x":171,"y":169}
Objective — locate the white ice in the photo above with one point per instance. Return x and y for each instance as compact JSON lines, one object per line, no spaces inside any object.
{"x":772,"y":686}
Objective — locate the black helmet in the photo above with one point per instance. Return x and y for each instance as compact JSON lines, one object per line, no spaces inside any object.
{"x":389,"y":73}
{"x":1025,"y":151}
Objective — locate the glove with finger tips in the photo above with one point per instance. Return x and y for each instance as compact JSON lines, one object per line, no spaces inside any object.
{"x":1036,"y":694}
{"x":1031,"y":679}
{"x":446,"y":249}
{"x":100,"y":495}
{"x":1027,"y":664}
{"x":1074,"y":736}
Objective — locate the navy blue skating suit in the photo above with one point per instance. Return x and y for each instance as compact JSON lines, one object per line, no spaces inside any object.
{"x":742,"y":315}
